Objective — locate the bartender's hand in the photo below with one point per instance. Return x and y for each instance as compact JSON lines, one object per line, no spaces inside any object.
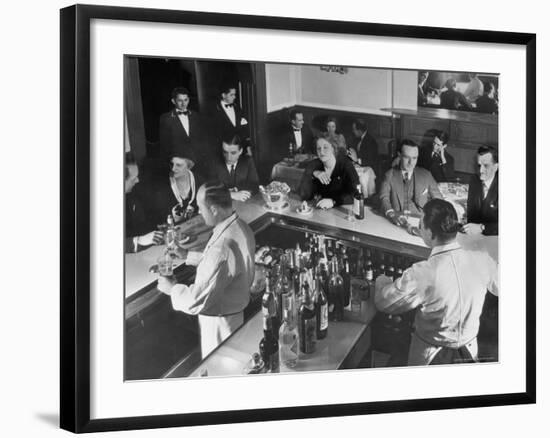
{"x":241,"y":195}
{"x":472,"y":229}
{"x":322,"y":176}
{"x":325,"y":203}
{"x":164,"y":284}
{"x":152,"y":238}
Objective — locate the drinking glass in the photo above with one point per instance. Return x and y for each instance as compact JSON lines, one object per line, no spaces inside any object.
{"x":165,"y":264}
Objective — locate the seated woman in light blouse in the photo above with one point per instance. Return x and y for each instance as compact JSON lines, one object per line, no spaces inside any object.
{"x":329,"y":177}
{"x":176,"y":194}
{"x":335,"y":138}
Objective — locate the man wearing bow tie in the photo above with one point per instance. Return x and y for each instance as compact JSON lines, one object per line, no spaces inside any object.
{"x":180,"y":127}
{"x":228,"y":118}
{"x":298,"y":134}
{"x":482,"y":207}
{"x":437,"y":160}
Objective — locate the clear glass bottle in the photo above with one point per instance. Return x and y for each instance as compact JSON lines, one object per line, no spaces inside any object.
{"x":288,"y":340}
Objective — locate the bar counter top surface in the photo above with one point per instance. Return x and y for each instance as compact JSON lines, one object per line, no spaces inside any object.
{"x":138,"y":277}
{"x":231,"y":357}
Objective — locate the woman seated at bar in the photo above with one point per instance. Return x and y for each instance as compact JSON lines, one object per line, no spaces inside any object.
{"x":334,"y":137}
{"x":175,"y":195}
{"x":236,"y":170}
{"x":329,"y":177}
{"x":447,"y":290}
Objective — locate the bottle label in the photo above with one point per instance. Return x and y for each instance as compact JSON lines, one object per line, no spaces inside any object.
{"x":324,"y":317}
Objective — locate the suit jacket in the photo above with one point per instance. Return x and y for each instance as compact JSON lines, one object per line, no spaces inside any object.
{"x":246,"y":177}
{"x":342,"y":186}
{"x":483,"y":211}
{"x":136,"y":220}
{"x":367,"y":151}
{"x":441,"y":172}
{"x":172,"y":135}
{"x":222,"y":125}
{"x":392,"y":190}
{"x":485,"y":104}
{"x":307,"y":140}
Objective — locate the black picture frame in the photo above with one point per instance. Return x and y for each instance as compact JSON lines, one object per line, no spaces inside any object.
{"x":75,"y":216}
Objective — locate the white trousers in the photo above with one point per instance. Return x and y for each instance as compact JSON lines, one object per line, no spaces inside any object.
{"x":215,"y":329}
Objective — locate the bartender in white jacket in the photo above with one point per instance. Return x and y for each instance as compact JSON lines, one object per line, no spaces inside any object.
{"x":225,"y":271}
{"x":447,"y":290}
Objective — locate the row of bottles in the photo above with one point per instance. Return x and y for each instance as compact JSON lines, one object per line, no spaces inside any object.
{"x":308,"y":286}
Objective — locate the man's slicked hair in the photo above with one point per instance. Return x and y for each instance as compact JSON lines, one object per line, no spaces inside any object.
{"x":216,"y":193}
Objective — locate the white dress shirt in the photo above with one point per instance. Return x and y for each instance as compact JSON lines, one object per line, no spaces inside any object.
{"x":298,"y":137}
{"x":448,"y":291}
{"x":224,"y":276}
{"x":184,"y":119}
{"x":230,"y":112}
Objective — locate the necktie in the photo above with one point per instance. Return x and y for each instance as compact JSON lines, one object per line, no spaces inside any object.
{"x":182,"y":113}
{"x":232,"y":175}
{"x":229,"y":105}
{"x":405,"y":177}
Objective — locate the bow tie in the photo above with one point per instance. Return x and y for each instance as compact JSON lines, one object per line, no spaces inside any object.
{"x":228,"y":105}
{"x":297,"y":130}
{"x":184,"y":113}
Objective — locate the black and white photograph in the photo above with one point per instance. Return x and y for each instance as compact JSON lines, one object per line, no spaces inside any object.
{"x":299,"y":218}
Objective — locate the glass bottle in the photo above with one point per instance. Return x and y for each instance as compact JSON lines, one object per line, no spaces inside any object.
{"x":335,"y":293}
{"x":269,"y":308}
{"x":308,"y":322}
{"x":269,"y":346}
{"x":255,"y":365}
{"x":288,"y":340}
{"x":358,"y":203}
{"x":321,"y":308}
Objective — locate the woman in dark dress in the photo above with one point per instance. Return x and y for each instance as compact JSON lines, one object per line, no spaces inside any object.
{"x":177,"y":194}
{"x":331,"y":178}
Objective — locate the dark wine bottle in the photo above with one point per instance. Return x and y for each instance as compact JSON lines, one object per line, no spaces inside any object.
{"x":358,"y":203}
{"x":308,"y":322}
{"x":321,"y":308}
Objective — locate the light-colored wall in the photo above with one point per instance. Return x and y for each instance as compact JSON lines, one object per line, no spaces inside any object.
{"x":281,"y":86}
{"x":363,"y":90}
{"x":404,"y":89}
{"x":360,"y":90}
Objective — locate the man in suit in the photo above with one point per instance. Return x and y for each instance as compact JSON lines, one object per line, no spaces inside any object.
{"x":366,"y":149}
{"x":436,"y":159}
{"x":482,"y":206}
{"x":236,"y":171}
{"x":180,"y":128}
{"x":136,"y":232}
{"x":452,"y":98}
{"x":228,"y":118}
{"x":406,"y":187}
{"x":298,"y":134}
{"x":487,"y":103}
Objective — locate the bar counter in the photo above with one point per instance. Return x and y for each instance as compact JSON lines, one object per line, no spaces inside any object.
{"x":347,"y":342}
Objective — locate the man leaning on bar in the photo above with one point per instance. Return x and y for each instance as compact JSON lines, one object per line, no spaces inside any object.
{"x":406,"y":188}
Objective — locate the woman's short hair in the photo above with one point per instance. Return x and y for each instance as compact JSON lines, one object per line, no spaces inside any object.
{"x":184,"y":153}
{"x":331,"y":119}
{"x":216,"y":193}
{"x":441,"y":219}
{"x":316,"y":139}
